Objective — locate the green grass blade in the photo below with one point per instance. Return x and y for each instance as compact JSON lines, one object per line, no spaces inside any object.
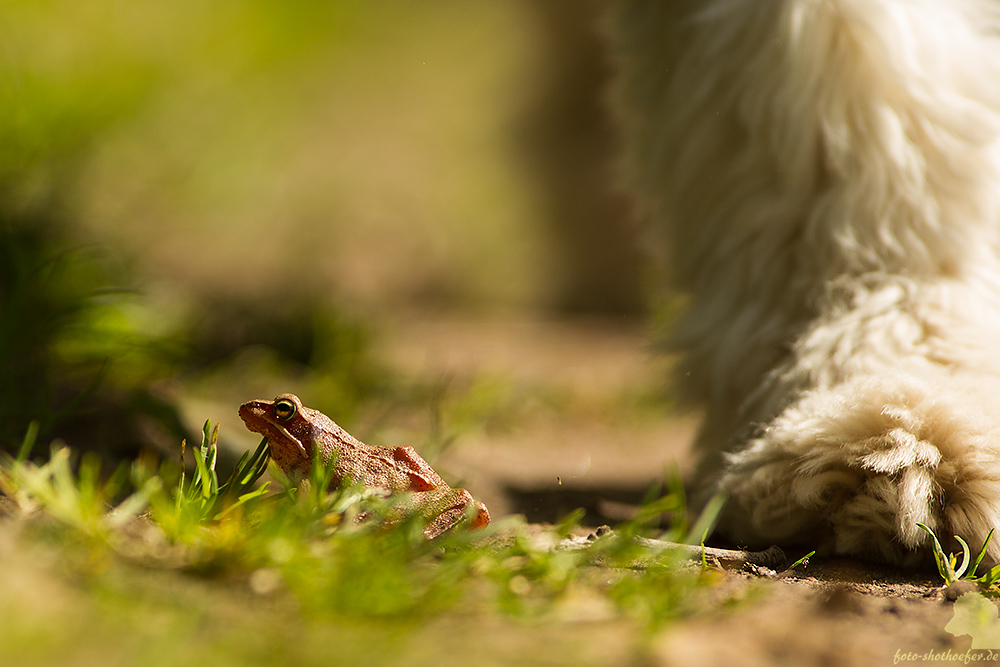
{"x":245,"y":475}
{"x":201,"y":484}
{"x":321,"y":473}
{"x":134,"y":504}
{"x":253,"y":469}
{"x":178,"y":499}
{"x":210,"y":449}
{"x":990,"y":577}
{"x":28,"y":443}
{"x":243,"y":499}
{"x":706,"y":521}
{"x":971,"y":574}
{"x":802,"y":561}
{"x":966,"y":558}
{"x":944,"y":569}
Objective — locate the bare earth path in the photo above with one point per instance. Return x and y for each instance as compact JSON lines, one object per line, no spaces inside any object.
{"x":601,"y":441}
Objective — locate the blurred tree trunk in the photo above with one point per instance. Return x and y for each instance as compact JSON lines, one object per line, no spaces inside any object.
{"x":571,"y":143}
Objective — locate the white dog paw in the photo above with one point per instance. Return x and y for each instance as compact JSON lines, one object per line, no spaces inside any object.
{"x":854,"y":468}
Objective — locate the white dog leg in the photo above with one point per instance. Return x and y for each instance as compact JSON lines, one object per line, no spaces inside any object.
{"x":826,"y":176}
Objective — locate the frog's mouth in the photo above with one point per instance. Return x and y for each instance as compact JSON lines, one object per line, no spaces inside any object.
{"x":285,"y":434}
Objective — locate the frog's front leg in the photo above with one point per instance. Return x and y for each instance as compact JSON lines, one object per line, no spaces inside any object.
{"x":448,"y":507}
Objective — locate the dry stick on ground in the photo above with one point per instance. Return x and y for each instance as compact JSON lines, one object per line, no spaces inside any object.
{"x":772,"y":557}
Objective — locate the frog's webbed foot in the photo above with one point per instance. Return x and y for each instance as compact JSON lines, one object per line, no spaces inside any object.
{"x":455,"y":507}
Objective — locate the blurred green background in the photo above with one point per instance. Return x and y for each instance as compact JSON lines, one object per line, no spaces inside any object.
{"x":218,"y":191}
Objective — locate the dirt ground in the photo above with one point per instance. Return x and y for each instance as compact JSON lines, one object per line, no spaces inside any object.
{"x":585,"y":454}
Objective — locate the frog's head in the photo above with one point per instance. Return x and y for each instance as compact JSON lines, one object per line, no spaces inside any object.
{"x":288,"y":426}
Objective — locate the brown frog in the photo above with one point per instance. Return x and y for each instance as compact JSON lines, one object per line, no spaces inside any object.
{"x":297,"y":434}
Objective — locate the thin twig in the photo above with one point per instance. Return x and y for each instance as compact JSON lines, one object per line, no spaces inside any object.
{"x":772,"y":557}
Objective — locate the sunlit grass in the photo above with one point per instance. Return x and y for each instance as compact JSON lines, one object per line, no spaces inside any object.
{"x":952,"y":568}
{"x":324,"y":552}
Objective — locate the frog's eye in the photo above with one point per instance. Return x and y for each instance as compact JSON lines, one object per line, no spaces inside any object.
{"x":284,"y":409}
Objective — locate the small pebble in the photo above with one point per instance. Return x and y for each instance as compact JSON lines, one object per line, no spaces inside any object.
{"x":601,"y":531}
{"x":960,"y":588}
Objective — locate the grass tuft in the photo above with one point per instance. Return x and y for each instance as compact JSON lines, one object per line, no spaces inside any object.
{"x":952,"y":568}
{"x":350,"y":552}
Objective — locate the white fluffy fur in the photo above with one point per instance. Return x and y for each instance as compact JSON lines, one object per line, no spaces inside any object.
{"x":826,"y":174}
